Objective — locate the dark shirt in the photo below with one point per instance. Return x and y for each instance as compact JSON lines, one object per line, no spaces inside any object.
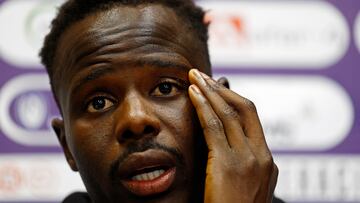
{"x":82,"y":197}
{"x":77,"y":197}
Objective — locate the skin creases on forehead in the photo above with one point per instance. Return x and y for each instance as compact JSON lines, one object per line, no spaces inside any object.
{"x":124,"y":31}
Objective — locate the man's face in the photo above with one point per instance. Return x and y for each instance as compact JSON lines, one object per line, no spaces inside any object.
{"x":129,"y":126}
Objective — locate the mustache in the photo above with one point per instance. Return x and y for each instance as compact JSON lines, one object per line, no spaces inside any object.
{"x":137,"y":147}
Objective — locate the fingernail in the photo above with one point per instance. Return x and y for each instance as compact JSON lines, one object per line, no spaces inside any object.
{"x":208,"y":79}
{"x":205,"y":76}
{"x":199,"y":77}
{"x":197,"y":74}
{"x":195,"y":89}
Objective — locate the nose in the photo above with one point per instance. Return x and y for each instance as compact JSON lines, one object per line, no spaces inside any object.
{"x":135,"y":119}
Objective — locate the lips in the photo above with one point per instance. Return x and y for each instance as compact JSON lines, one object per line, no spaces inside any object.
{"x":148,"y":173}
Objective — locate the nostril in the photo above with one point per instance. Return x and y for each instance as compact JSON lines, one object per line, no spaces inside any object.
{"x":127,"y":134}
{"x":130,"y":134}
{"x":149,"y":130}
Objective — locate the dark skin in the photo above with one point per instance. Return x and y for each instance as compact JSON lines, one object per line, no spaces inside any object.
{"x":126,"y":78}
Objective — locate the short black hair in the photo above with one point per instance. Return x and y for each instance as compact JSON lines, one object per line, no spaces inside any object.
{"x":73,"y":11}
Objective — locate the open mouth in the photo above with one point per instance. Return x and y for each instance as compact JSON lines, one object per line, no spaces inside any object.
{"x":148,"y":173}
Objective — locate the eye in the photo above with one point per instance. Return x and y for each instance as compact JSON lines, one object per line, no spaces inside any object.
{"x":166,"y":89}
{"x":99,"y":104}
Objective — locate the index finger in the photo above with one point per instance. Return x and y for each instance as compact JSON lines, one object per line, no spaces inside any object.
{"x":248,"y":114}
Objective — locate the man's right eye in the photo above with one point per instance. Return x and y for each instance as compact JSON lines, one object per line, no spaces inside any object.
{"x":98,"y":104}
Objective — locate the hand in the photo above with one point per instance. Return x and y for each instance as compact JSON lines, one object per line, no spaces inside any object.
{"x":240,"y":166}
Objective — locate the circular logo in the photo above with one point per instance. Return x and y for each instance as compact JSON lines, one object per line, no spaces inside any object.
{"x":10,"y":179}
{"x":31,"y":110}
{"x":357,"y":31}
{"x":23,"y":25}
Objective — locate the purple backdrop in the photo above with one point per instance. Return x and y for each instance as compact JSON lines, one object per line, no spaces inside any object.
{"x":20,"y":135}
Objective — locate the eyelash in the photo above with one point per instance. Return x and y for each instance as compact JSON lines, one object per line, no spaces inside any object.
{"x":181,"y":83}
{"x":178,"y":83}
{"x":91,"y":99}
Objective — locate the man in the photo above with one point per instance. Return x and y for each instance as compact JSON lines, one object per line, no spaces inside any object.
{"x":143,"y":121}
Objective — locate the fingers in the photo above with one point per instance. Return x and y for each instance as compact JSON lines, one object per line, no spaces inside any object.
{"x":243,"y":109}
{"x":250,"y":122}
{"x":226,"y":113}
{"x":210,"y":122}
{"x":231,"y":123}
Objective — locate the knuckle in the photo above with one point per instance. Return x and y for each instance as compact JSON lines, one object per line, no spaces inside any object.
{"x":217,"y":86}
{"x":210,"y":88}
{"x":229,"y":111}
{"x":204,"y":103}
{"x":268,"y":163}
{"x":250,"y":105}
{"x":252,"y":164}
{"x":213,"y":86}
{"x":232,"y":164}
{"x":214,"y":124}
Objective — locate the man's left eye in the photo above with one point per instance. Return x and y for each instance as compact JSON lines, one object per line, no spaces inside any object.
{"x":166,"y":89}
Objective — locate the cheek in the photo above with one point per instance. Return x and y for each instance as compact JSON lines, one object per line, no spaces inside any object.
{"x":179,"y":121}
{"x":92,"y":144}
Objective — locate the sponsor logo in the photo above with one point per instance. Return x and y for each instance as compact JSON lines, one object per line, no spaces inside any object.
{"x":31,"y":110}
{"x":25,"y":177}
{"x":24,"y":25}
{"x":357,"y":31}
{"x":303,"y":121}
{"x":276,"y":34}
{"x":318,"y":178}
{"x":26,"y":110}
{"x":10,"y":178}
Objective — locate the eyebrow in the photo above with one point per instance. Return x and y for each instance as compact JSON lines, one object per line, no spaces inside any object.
{"x":103,"y":70}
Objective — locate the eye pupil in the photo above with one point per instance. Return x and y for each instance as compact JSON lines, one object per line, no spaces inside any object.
{"x":98,"y":103}
{"x":165,"y":88}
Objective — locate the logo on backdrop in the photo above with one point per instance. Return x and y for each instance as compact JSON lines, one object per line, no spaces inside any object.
{"x":357,"y":31}
{"x":10,"y":178}
{"x":21,"y":39}
{"x":281,"y":34}
{"x":26,"y":110}
{"x":26,"y":106}
{"x":303,"y":121}
{"x":31,"y":110}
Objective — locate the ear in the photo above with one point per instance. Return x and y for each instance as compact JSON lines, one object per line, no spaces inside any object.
{"x":58,"y":126}
{"x":224,"y":81}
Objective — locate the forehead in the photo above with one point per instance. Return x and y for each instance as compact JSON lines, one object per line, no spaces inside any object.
{"x":124,"y":35}
{"x":125,"y":28}
{"x":124,"y":15}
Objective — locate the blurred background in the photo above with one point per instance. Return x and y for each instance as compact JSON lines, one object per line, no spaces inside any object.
{"x":299,"y":61}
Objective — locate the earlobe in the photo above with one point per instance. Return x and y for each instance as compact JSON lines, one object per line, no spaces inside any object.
{"x":224,"y":81}
{"x":58,"y":126}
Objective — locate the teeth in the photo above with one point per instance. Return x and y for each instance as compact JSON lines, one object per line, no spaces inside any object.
{"x":148,"y":176}
{"x":157,"y":173}
{"x":151,"y":175}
